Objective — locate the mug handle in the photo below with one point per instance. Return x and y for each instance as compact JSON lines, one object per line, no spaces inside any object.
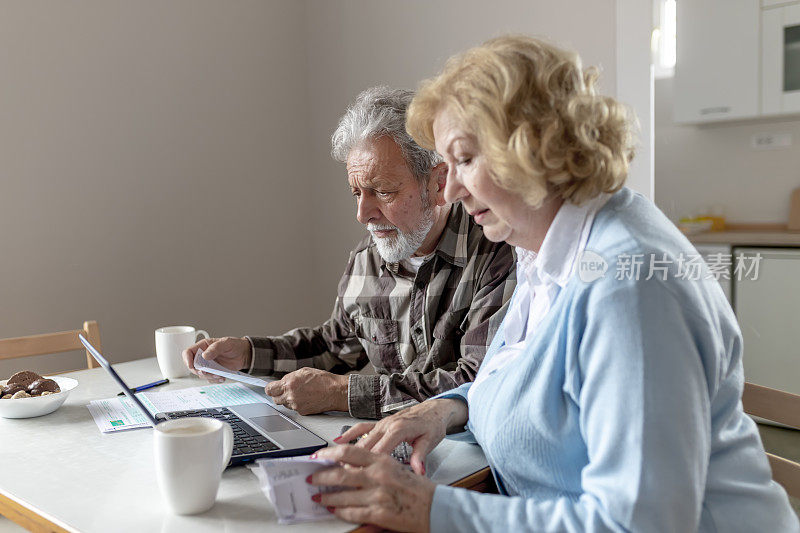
{"x":227,"y":445}
{"x":202,"y":332}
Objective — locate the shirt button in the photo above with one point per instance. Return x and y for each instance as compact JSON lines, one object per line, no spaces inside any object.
{"x":417,"y":330}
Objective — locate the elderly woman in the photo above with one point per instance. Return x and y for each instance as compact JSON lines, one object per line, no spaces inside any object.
{"x":609,"y":399}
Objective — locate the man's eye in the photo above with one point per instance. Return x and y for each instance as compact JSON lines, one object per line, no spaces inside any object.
{"x":465,"y":161}
{"x":383,"y":194}
{"x":356,"y":193}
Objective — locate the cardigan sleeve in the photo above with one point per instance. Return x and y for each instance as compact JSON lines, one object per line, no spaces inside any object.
{"x":459,"y":393}
{"x":641,"y":388}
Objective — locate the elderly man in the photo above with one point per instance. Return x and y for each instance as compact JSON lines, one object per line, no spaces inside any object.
{"x":420,"y":299}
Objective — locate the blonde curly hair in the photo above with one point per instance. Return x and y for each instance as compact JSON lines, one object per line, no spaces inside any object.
{"x":536,"y":116}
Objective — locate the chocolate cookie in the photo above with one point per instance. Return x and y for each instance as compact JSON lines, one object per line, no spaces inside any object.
{"x":43,"y":385}
{"x":11,"y":389}
{"x":24,"y":378}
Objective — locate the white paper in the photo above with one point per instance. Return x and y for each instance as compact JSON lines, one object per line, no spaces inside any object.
{"x":283,"y":482}
{"x":120,"y":413}
{"x":116,"y":414}
{"x":212,"y":367}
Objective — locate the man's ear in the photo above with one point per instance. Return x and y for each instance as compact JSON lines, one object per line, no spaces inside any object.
{"x":439,"y":179}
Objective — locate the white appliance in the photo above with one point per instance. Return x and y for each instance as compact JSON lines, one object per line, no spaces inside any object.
{"x":768,"y":309}
{"x":780,"y":58}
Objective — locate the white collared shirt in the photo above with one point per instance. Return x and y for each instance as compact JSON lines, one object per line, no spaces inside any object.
{"x":540,"y":277}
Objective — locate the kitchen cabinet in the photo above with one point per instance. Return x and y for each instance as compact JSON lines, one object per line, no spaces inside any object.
{"x":780,"y":58}
{"x":717,"y":68}
{"x":768,"y":310}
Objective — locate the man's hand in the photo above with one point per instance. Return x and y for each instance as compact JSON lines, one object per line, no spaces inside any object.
{"x":310,"y":390}
{"x":231,"y":352}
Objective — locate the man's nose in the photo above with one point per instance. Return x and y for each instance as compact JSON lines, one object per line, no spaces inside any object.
{"x":367,"y":209}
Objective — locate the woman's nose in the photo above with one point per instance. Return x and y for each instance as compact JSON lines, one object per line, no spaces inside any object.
{"x":454,"y":190}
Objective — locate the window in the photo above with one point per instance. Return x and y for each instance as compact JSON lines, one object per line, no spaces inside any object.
{"x":663,"y":41}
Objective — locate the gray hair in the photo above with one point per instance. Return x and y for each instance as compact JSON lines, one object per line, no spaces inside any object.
{"x":376,"y":112}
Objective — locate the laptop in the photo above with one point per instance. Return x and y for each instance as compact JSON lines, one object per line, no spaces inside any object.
{"x":259,"y":430}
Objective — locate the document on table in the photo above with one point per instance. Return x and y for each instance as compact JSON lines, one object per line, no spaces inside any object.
{"x":212,"y":367}
{"x":120,"y":413}
{"x":283,"y":482}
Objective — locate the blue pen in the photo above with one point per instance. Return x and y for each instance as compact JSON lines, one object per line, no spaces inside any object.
{"x":147,"y":386}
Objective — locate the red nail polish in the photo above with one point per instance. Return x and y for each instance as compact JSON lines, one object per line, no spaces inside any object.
{"x":337,"y":439}
{"x":313,"y":456}
{"x":308,"y":480}
{"x":316,"y":498}
{"x":331,"y":509}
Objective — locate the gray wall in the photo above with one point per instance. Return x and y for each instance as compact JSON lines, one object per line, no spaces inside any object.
{"x":697,"y":167}
{"x":167,"y":162}
{"x":153,"y":169}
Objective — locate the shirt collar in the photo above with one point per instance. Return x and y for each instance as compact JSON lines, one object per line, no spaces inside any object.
{"x":563,"y":244}
{"x":453,"y":242}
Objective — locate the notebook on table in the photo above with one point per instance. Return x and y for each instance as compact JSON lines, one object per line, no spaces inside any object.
{"x":259,"y":430}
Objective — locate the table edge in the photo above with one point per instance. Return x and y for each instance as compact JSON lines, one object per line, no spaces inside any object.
{"x":28,"y":517}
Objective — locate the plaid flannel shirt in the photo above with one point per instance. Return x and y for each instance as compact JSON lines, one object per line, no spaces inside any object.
{"x":423,"y":334}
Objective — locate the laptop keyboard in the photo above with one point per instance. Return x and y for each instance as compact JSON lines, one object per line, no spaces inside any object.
{"x":401,"y":453}
{"x":246,"y":440}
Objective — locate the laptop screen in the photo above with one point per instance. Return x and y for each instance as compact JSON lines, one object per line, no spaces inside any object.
{"x":128,"y":392}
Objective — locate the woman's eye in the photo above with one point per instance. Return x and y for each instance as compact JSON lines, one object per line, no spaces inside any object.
{"x":465,"y":161}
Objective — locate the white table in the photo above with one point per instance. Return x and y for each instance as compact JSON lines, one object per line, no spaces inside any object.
{"x":59,"y":471}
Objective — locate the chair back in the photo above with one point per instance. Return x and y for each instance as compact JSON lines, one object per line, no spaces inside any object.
{"x":784,"y":408}
{"x":52,"y":343}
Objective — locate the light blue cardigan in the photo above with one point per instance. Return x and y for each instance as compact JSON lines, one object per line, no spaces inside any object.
{"x":623,"y":413}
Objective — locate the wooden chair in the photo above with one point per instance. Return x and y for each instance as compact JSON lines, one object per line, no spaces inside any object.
{"x":784,"y":408}
{"x":52,"y":343}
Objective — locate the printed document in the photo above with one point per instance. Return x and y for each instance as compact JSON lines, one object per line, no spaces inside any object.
{"x":120,"y":414}
{"x":283,"y":482}
{"x":212,"y":367}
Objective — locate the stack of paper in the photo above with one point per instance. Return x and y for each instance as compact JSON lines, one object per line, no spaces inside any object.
{"x":283,"y":481}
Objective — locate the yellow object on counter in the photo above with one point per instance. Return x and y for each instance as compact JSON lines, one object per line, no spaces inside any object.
{"x":717,"y":222}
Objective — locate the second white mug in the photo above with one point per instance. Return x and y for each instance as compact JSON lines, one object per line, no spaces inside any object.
{"x":171,"y":341}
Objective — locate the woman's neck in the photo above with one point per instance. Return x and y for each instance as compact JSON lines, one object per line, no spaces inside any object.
{"x":535,"y":223}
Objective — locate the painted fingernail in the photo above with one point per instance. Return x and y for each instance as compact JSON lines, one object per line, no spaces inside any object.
{"x":331,"y":509}
{"x":316,"y":498}
{"x":313,"y":456}
{"x":308,"y":480}
{"x":337,"y":439}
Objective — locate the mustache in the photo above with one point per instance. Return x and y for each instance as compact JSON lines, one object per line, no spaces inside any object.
{"x":378,"y":227}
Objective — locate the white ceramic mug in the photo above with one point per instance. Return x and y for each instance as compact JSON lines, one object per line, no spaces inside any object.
{"x":170,"y":343}
{"x":190,"y":456}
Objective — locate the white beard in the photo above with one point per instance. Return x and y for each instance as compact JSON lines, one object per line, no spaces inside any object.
{"x":403,"y":245}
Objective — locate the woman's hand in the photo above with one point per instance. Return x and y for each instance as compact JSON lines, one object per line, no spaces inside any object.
{"x":422,"y":426}
{"x":378,"y":490}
